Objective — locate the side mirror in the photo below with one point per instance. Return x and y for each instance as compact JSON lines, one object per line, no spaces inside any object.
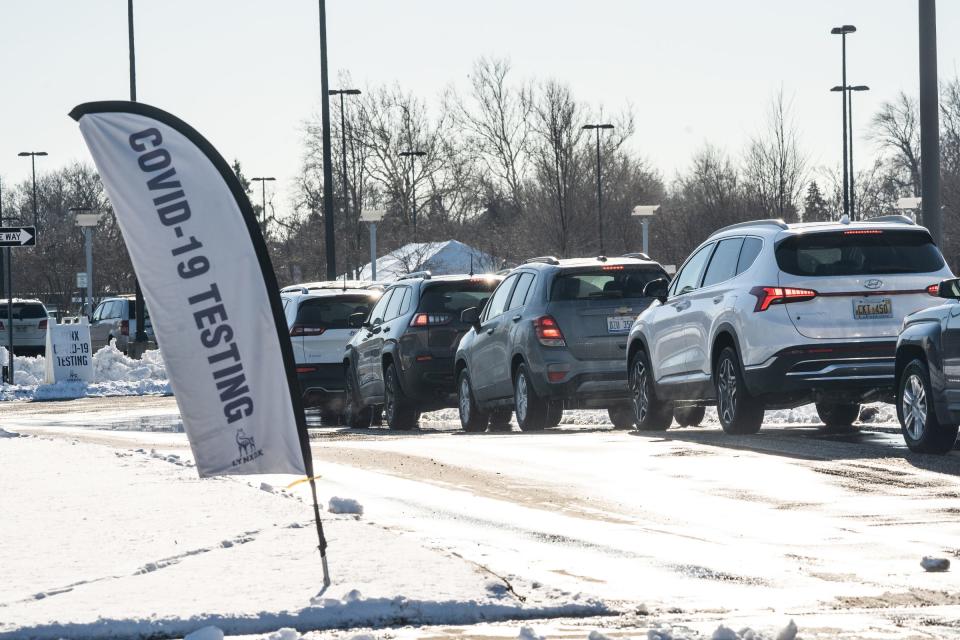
{"x":471,"y":316}
{"x":356,"y":320}
{"x":949,"y":289}
{"x":656,"y":289}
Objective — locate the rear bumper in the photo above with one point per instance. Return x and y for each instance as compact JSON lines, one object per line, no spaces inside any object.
{"x":586,"y":383}
{"x":322,"y":384}
{"x":827,"y":370}
{"x":430,"y":383}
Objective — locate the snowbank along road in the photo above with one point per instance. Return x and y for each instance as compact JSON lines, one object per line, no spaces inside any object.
{"x":579,"y":529}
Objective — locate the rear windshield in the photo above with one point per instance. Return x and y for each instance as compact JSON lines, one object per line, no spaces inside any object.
{"x":859,"y":252}
{"x":454,"y":297}
{"x":132,"y":311}
{"x":332,"y":313}
{"x":24,"y":310}
{"x":609,"y":282}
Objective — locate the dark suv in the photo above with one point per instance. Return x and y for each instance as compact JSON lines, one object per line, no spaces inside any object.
{"x":553,"y":336}
{"x":402,"y":357}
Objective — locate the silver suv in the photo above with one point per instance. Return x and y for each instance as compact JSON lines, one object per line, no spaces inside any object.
{"x":552,"y":336}
{"x":115,"y":319}
{"x":769,"y":315}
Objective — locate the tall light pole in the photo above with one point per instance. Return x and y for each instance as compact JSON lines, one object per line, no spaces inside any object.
{"x":597,"y":128}
{"x":263,"y":200}
{"x":33,"y":166}
{"x":853,"y":193}
{"x":139,"y":309}
{"x":929,"y":120}
{"x":413,"y":155}
{"x":87,"y":221}
{"x":343,"y":141}
{"x":842,"y":32}
{"x":328,"y":226}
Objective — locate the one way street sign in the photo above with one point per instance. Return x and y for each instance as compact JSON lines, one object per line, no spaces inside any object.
{"x":18,"y":236}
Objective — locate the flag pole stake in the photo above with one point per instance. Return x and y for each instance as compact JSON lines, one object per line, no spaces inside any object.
{"x":320,"y":537}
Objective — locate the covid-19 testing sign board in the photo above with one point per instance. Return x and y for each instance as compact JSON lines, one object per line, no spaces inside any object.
{"x":69,"y":356}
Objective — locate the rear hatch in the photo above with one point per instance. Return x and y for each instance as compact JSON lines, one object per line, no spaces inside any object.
{"x":132,"y":320}
{"x":322,"y":330}
{"x":865,"y":280}
{"x":29,"y":323}
{"x":596,"y":306}
{"x":438,"y":313}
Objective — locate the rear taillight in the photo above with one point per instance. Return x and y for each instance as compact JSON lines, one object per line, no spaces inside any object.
{"x":306,"y":330}
{"x":305,"y":369}
{"x":548,"y":332}
{"x":430,"y":319}
{"x":934,"y":289}
{"x":125,"y":327}
{"x":42,"y":325}
{"x":767,"y":296}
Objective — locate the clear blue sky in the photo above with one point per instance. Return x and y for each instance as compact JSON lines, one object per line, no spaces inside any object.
{"x":245,"y":73}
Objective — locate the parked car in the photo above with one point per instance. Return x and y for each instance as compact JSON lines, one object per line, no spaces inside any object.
{"x":402,"y":357}
{"x":318,"y":317}
{"x":553,"y":336}
{"x":769,"y":315}
{"x":928,"y":393}
{"x":29,"y":326}
{"x":115,"y":319}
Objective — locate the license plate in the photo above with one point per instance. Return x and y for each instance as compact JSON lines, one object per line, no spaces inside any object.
{"x":21,"y":329}
{"x":619,"y":324}
{"x":872,"y":308}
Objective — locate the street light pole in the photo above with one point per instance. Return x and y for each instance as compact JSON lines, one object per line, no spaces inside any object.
{"x":343,"y":142}
{"x":139,"y":309}
{"x":413,"y":155}
{"x":848,"y":142}
{"x":263,"y":200}
{"x":597,"y":127}
{"x":33,"y":166}
{"x":929,"y":120}
{"x":842,"y":32}
{"x":87,"y":222}
{"x":328,"y":225}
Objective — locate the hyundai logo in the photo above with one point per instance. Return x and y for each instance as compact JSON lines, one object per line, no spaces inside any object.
{"x":873,"y":283}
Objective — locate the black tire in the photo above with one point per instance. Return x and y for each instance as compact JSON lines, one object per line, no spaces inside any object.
{"x":500,"y":419}
{"x":621,"y":416}
{"x":530,"y":409}
{"x":472,"y":418}
{"x":398,"y":411}
{"x":649,"y":412}
{"x":837,"y":415}
{"x":355,"y":415}
{"x":921,"y":429}
{"x":554,"y":414}
{"x":689,"y":416}
{"x":739,"y":412}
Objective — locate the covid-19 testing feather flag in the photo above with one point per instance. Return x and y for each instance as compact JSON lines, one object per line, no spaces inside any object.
{"x":206,"y":277}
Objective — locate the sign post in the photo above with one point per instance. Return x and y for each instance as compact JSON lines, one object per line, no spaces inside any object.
{"x":87,"y":221}
{"x":13,"y":237}
{"x":373,"y":216}
{"x":645,"y":212}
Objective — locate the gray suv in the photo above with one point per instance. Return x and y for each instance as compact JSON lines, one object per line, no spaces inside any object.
{"x":552,"y":337}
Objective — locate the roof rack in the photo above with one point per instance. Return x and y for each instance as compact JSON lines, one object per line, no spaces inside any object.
{"x":639,"y":255}
{"x":544,"y":259}
{"x":780,"y":224}
{"x":891,"y":218}
{"x":426,"y":275}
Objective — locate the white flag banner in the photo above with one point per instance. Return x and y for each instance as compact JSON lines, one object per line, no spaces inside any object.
{"x":207,"y":279}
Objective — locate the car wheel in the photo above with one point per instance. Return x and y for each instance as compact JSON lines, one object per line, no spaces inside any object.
{"x":621,"y":416}
{"x":689,"y":416}
{"x":530,"y":408}
{"x":838,"y":415}
{"x":472,"y":419}
{"x":398,"y":411}
{"x":500,"y":419}
{"x":355,"y":415}
{"x":921,"y":429}
{"x":554,"y":414}
{"x":649,"y":412}
{"x":739,"y":412}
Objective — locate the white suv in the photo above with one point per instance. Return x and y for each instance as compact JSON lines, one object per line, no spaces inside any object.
{"x":29,"y":326}
{"x":769,"y":315}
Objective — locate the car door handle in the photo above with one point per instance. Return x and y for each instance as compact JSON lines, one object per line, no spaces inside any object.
{"x":681,"y":306}
{"x":386,"y":329}
{"x":490,"y":331}
{"x":718,"y":299}
{"x":516,"y":318}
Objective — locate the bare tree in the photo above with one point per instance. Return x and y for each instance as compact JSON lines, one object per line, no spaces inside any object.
{"x":896,"y":129}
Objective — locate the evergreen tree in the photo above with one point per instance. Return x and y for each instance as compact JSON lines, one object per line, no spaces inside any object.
{"x":815,"y":208}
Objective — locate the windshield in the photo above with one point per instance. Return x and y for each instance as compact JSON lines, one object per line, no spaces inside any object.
{"x":859,"y":252}
{"x":332,"y":313}
{"x":607,"y":282}
{"x":454,"y":297}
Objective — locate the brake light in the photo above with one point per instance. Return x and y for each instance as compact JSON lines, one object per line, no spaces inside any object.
{"x":548,"y":332}
{"x":767,"y":296}
{"x":933,"y":290}
{"x":306,"y":330}
{"x":430,"y":319}
{"x":42,"y":325}
{"x":612,"y":267}
{"x":125,"y":327}
{"x":863,"y":232}
{"x":306,"y":369}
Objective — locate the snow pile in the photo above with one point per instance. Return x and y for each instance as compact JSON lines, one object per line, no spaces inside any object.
{"x":8,"y":434}
{"x":114,"y":374}
{"x":205,"y":633}
{"x":345,"y":505}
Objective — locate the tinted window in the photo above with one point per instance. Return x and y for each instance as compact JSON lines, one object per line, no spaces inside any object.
{"x":113,"y":310}
{"x":24,"y":311}
{"x":499,"y":300}
{"x":689,"y":277}
{"x":96,"y":314}
{"x":454,"y":297}
{"x":723,"y":264}
{"x":519,"y":297}
{"x":859,"y":252}
{"x":749,"y":252}
{"x":378,"y":311}
{"x":132,"y":310}
{"x":331,"y":313}
{"x":612,"y":281}
{"x":393,"y":308}
{"x":405,"y":303}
